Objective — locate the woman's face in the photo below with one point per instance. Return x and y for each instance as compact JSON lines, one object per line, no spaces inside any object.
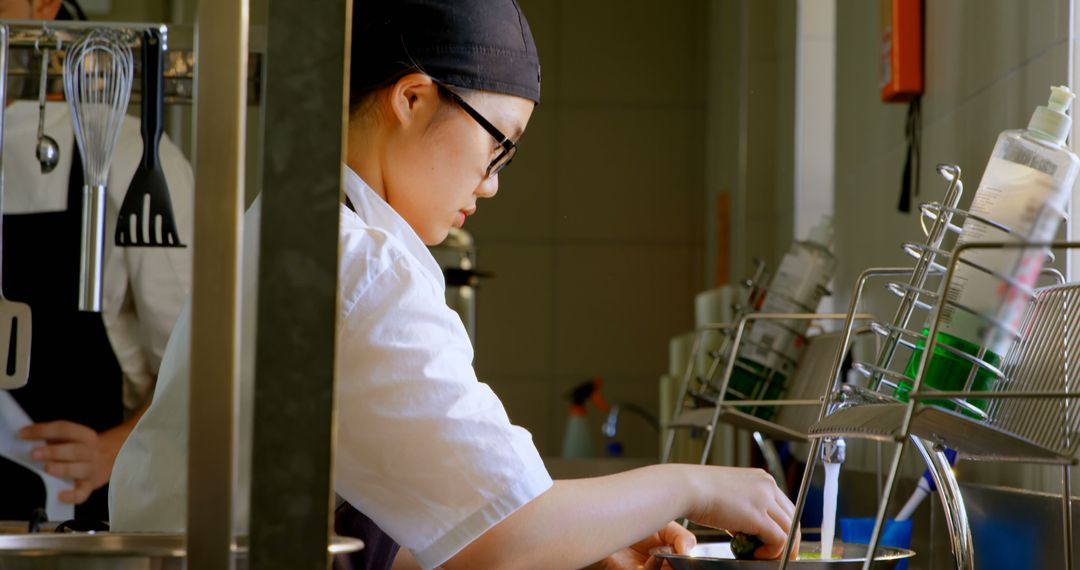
{"x":436,"y":168}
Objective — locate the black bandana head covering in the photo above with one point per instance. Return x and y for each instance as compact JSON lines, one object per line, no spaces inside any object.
{"x":476,"y":44}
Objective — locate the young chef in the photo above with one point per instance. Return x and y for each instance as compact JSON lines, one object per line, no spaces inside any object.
{"x":441,"y":92}
{"x":91,"y":374}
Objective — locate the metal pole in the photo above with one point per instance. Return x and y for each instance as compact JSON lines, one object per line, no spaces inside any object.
{"x":1066,"y":515}
{"x":221,"y":104}
{"x":306,"y":103}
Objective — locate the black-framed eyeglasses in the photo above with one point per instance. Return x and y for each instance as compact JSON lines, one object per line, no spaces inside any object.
{"x":509,"y":149}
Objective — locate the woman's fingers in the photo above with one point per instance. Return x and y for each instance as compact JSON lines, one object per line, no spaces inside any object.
{"x":59,"y":431}
{"x":79,"y":494}
{"x":63,"y":452}
{"x":798,"y":543}
{"x":76,"y":470}
{"x":681,"y":539}
{"x":785,"y":503}
{"x":773,"y":536}
{"x":780,"y":515}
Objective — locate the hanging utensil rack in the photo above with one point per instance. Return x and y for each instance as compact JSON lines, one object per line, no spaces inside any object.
{"x":178,"y":70}
{"x":1027,"y":414}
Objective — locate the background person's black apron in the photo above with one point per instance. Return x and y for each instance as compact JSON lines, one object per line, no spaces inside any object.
{"x":74,"y":374}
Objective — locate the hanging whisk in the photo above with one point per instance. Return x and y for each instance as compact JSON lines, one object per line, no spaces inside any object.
{"x":97,"y":84}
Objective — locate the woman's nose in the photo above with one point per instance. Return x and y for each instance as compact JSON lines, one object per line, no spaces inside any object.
{"x":488,"y":187}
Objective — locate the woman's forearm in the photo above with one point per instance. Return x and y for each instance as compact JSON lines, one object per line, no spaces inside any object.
{"x":580,"y":521}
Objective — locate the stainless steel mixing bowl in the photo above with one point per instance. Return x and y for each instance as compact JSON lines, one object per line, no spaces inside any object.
{"x":114,"y":551}
{"x":853,"y":557}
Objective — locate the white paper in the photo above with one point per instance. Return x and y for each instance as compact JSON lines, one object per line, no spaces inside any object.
{"x":13,"y":419}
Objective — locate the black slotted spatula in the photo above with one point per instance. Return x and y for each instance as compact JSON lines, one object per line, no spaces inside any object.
{"x":146,"y":214}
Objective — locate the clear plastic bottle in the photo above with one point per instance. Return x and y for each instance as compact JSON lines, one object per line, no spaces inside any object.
{"x":771,"y":348}
{"x":1025,"y":187}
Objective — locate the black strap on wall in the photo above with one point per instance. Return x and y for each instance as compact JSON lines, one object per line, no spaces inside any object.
{"x":909,"y":181}
{"x":70,"y":10}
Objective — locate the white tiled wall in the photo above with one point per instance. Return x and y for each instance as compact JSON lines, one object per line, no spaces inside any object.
{"x":988,"y":65}
{"x":751,"y":140}
{"x":596,"y":235}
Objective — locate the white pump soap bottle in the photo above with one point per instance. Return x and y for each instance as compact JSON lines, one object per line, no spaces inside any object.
{"x":1025,"y":188}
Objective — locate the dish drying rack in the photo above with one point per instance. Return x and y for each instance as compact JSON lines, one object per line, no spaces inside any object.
{"x":1028,"y":416}
{"x":706,"y":396}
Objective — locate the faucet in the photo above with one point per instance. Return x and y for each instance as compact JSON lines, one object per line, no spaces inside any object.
{"x":612,"y":422}
{"x":833,"y":450}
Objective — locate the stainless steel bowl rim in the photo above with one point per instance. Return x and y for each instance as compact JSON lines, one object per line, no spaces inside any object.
{"x":125,"y":545}
{"x":884,"y":553}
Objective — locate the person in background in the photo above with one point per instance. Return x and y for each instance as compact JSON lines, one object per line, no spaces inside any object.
{"x":441,"y":92}
{"x":91,"y":374}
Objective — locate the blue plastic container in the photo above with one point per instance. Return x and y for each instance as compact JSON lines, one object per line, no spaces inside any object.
{"x":897,"y":534}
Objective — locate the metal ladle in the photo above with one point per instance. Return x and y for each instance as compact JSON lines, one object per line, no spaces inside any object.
{"x":48,"y":151}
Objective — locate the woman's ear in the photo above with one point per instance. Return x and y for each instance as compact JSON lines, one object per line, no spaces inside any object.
{"x":45,"y":9}
{"x":413,"y":100}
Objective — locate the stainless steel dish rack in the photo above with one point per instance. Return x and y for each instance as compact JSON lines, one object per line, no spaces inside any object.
{"x":706,"y":396}
{"x":1027,"y":415}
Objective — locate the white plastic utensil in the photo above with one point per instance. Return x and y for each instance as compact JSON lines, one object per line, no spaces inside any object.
{"x":14,"y":317}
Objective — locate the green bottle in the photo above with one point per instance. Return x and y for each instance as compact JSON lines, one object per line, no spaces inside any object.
{"x":772,"y":347}
{"x":748,"y":379}
{"x":948,"y":371}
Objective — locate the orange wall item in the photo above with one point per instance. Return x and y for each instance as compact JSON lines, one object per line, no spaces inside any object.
{"x":901,"y":50}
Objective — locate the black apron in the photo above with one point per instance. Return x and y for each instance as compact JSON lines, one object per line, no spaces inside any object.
{"x":74,"y":374}
{"x":379,"y":549}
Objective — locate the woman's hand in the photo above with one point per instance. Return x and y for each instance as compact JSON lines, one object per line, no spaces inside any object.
{"x":637,"y":557}
{"x":75,"y":452}
{"x":743,"y":500}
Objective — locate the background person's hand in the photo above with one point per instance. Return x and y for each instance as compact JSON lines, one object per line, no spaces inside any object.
{"x":743,"y":500}
{"x":637,"y":557}
{"x":74,"y":452}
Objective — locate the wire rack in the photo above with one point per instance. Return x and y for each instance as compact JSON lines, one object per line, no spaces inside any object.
{"x":1016,"y":409}
{"x":774,"y":403}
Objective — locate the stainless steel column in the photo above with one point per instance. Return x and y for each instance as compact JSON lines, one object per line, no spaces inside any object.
{"x":221,"y":49}
{"x":305,"y":115}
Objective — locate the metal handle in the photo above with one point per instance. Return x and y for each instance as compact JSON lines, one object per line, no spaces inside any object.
{"x":92,"y":252}
{"x":43,"y":87}
{"x":3,"y":97}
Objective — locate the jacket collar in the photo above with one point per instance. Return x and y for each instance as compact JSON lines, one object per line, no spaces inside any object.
{"x":374,"y":210}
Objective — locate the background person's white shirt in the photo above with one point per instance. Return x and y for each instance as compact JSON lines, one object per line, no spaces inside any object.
{"x":144,"y":288}
{"x":424,"y":449}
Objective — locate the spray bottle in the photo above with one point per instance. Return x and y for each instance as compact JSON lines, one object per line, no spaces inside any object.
{"x":1025,"y":187}
{"x":771,"y":348}
{"x":578,"y":438}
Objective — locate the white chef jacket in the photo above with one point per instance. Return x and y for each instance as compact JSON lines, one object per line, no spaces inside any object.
{"x":424,"y":449}
{"x":144,"y":288}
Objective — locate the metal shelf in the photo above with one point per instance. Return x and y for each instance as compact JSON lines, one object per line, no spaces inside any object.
{"x":970,"y":438}
{"x":178,"y":69}
{"x":702,"y":418}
